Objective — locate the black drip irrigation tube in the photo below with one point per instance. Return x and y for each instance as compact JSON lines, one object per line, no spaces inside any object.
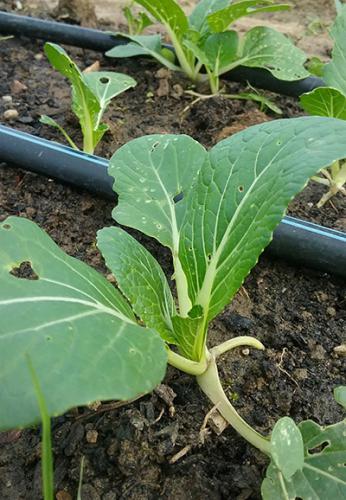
{"x":294,"y":240}
{"x":87,"y":38}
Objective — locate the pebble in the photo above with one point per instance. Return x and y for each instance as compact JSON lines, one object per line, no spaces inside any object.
{"x":7,"y":98}
{"x":38,"y":57}
{"x":340,"y":350}
{"x":91,"y":436}
{"x":10,"y":114}
{"x":18,"y":87}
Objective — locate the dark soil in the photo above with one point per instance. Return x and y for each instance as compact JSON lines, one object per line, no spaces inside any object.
{"x":298,"y":314}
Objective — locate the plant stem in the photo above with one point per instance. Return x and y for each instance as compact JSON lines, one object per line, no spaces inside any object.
{"x":46,"y":445}
{"x":236,"y":342}
{"x":88,"y":140}
{"x":210,"y":384}
{"x":187,"y":365}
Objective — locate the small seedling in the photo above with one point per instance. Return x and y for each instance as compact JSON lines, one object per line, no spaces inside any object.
{"x":91,"y":94}
{"x":136,"y":23}
{"x":331,"y":101}
{"x":205,"y":47}
{"x":215,"y":211}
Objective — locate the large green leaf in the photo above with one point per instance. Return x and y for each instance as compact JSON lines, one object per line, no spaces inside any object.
{"x":140,"y":278}
{"x":149,"y":173}
{"x":76,"y":328}
{"x":220,"y":20}
{"x":105,"y":85}
{"x":323,"y":474}
{"x":266,"y":48}
{"x":241,"y":195}
{"x":335,"y":71}
{"x":198,"y":17}
{"x":142,"y":45}
{"x":169,"y":13}
{"x":325,"y":101}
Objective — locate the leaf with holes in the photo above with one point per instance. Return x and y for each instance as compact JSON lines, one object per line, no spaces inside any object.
{"x":149,"y":173}
{"x":220,"y":20}
{"x":77,"y":329}
{"x":266,"y":48}
{"x":323,"y":472}
{"x":91,"y":94}
{"x":241,"y":194}
{"x":205,"y":49}
{"x":199,"y":17}
{"x":106,"y":85}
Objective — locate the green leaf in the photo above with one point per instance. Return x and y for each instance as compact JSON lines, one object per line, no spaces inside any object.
{"x":140,"y":278}
{"x":340,"y":395}
{"x":324,"y":101}
{"x":106,"y":85}
{"x":335,"y":71}
{"x":84,"y":103}
{"x":315,"y":66}
{"x":142,"y":45}
{"x":214,"y":51}
{"x":149,"y":173}
{"x":77,"y":329}
{"x":266,"y":48}
{"x":221,"y":50}
{"x":242,"y":192}
{"x":190,"y":338}
{"x":220,"y":20}
{"x":323,"y":474}
{"x":136,"y":24}
{"x":198,"y":17}
{"x":47,"y":120}
{"x":287,"y":447}
{"x":169,"y":13}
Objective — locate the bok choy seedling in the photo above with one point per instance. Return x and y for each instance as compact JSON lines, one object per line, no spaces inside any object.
{"x":206,"y":48}
{"x":91,"y":94}
{"x":331,"y":101}
{"x":216,"y":211}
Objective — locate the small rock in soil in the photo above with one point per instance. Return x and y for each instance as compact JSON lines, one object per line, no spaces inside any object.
{"x":340,"y":350}
{"x":63,"y":495}
{"x":7,"y":99}
{"x":91,"y":436}
{"x":300,"y":374}
{"x":26,"y":119}
{"x":18,"y":87}
{"x":10,"y":114}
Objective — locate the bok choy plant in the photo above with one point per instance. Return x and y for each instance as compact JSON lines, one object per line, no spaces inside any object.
{"x":91,"y":95}
{"x":331,"y":101}
{"x":205,"y":47}
{"x":216,"y":211}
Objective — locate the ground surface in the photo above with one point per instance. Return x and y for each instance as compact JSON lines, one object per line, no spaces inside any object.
{"x":297,"y":313}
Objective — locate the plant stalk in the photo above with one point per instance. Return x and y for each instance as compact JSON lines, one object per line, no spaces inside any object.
{"x":210,"y":384}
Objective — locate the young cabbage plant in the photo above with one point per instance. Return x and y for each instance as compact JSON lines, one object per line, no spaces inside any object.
{"x":216,"y":211}
{"x":205,"y":48}
{"x":331,"y":101}
{"x":91,"y":94}
{"x":136,"y":22}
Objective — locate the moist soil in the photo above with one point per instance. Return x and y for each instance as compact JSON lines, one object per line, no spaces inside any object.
{"x":131,"y":450}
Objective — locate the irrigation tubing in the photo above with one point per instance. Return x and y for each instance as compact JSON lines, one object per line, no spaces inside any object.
{"x":296,"y":241}
{"x":87,"y":38}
